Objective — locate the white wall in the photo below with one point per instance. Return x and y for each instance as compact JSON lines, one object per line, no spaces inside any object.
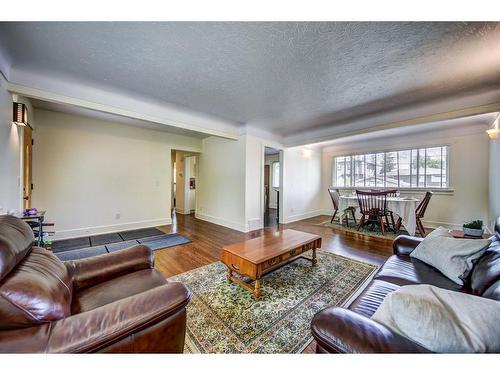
{"x":468,"y":170}
{"x":10,"y":155}
{"x":86,"y":171}
{"x":302,"y":183}
{"x":221,"y":182}
{"x":494,"y":181}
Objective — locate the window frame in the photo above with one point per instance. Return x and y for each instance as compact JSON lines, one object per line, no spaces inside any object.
{"x":397,"y":150}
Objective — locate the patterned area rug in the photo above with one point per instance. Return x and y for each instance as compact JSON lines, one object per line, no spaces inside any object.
{"x":225,"y":318}
{"x":367,"y":231}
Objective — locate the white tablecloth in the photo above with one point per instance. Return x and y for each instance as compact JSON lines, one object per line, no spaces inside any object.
{"x":403,"y":207}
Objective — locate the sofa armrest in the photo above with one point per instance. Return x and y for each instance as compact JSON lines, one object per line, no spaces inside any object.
{"x":96,"y":329}
{"x":338,"y":330}
{"x":404,"y":245}
{"x":98,"y":269}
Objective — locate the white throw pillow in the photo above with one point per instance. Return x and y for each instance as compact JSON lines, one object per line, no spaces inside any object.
{"x":454,"y":257}
{"x":441,"y":320}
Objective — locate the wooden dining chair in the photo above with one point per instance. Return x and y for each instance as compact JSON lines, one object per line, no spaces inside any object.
{"x":373,"y":207}
{"x":335,"y":195}
{"x":419,"y":213}
{"x":391,"y":193}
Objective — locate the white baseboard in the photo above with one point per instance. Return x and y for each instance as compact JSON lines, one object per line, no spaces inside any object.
{"x":183,"y":211}
{"x":273,"y":206}
{"x":102,"y":229}
{"x":254,"y":224}
{"x":219,"y":221}
{"x":302,"y":216}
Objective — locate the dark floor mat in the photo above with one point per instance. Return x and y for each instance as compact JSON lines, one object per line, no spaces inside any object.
{"x":140,"y":233}
{"x":81,"y":253}
{"x":164,"y":241}
{"x":104,"y":239}
{"x":70,"y":244}
{"x":121,"y":245}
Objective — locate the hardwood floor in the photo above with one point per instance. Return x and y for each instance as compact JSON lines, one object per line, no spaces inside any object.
{"x":208,"y":239}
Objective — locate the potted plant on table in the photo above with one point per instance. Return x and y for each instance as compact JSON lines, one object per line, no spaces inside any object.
{"x":474,"y":228}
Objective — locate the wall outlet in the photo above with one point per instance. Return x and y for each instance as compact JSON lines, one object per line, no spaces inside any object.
{"x":118,"y":215}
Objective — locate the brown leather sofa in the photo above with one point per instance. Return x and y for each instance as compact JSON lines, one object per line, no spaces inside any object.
{"x":351,"y":330}
{"x":114,"y":303}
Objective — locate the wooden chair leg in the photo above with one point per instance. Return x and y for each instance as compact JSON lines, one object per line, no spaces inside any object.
{"x":387,"y":222}
{"x":353,"y":217}
{"x":420,"y":227}
{"x":333,"y":217}
{"x":382,"y":225}
{"x":399,"y":223}
{"x":361,"y":222}
{"x":393,"y":223}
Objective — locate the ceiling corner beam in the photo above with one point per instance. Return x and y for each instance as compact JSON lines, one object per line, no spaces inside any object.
{"x":48,"y":96}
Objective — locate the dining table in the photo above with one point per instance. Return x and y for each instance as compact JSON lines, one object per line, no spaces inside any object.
{"x":404,"y":207}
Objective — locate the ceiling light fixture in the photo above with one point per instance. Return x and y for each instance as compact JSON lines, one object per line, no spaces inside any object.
{"x":20,"y":115}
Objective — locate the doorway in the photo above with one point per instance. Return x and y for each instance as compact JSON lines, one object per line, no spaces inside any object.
{"x":27,"y":166}
{"x":184,"y":172}
{"x":272,"y":186}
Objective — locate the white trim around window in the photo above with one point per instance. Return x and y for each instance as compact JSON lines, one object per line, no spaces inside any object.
{"x":418,"y":168}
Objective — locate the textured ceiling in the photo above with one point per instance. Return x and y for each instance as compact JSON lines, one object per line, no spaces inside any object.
{"x":285,"y":78}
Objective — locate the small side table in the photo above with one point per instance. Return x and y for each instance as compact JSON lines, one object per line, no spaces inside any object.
{"x":39,"y":217}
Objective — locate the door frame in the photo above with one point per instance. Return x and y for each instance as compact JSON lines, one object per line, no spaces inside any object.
{"x":281,"y":188}
{"x":27,"y":167}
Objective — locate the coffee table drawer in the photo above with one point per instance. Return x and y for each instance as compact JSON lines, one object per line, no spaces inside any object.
{"x":291,"y":254}
{"x":238,"y":264}
{"x":271,"y":263}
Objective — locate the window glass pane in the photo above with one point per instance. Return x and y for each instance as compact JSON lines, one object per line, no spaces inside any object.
{"x":339,"y":168}
{"x":359,"y":170}
{"x":433,"y":167}
{"x":391,"y":169}
{"x":421,"y":167}
{"x":276,"y":174}
{"x":414,"y":165}
{"x":444,"y":166}
{"x":415,"y":168}
{"x":348,"y":181}
{"x":404,"y":168}
{"x":380,"y":171}
{"x":370,"y":170}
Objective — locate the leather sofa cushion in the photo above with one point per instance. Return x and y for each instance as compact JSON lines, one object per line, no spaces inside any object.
{"x":487,"y":269}
{"x":370,"y":299}
{"x":16,"y":239}
{"x":37,"y":291}
{"x":405,"y":270}
{"x":116,"y":289}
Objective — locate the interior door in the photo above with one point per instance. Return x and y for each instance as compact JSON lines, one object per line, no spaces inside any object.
{"x":27,"y":166}
{"x":266,"y":186}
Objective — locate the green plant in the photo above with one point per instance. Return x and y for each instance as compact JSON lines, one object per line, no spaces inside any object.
{"x":476,"y":224}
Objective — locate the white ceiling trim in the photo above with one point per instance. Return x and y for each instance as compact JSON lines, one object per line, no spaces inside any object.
{"x":35,"y":93}
{"x":332,"y":133}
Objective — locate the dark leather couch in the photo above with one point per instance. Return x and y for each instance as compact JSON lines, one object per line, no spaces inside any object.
{"x":112,"y":303}
{"x":351,"y":330}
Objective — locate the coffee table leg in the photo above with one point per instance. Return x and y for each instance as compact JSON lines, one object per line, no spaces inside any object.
{"x":229,"y":275}
{"x":257,"y":289}
{"x":314,"y":259}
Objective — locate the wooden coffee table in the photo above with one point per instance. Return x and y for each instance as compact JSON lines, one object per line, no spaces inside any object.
{"x":258,"y":256}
